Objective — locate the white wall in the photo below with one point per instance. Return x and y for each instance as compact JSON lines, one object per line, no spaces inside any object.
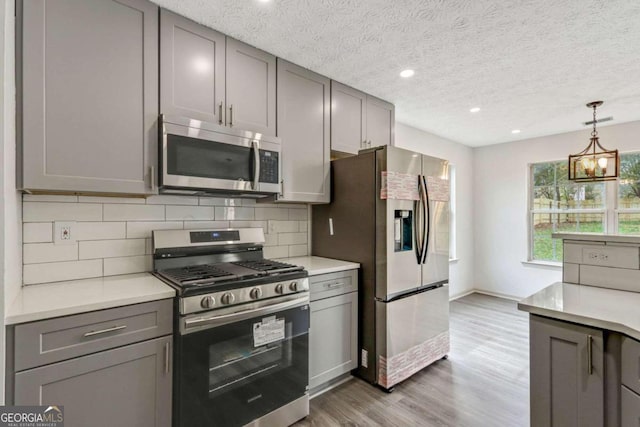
{"x":461,"y":156}
{"x":500,"y":221}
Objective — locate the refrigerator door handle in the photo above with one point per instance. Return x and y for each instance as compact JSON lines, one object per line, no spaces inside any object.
{"x":417,"y":232}
{"x":427,"y":214}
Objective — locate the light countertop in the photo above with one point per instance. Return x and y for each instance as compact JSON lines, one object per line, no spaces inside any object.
{"x":598,"y":237}
{"x":37,"y":302}
{"x":588,"y":305}
{"x":318,"y":265}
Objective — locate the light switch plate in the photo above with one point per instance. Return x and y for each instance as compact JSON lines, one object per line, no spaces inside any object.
{"x":64,"y":232}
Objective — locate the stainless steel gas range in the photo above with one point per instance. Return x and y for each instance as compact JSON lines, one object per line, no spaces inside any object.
{"x":241,"y":335}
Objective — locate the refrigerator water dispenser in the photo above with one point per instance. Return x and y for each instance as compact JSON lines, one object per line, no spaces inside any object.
{"x":403,"y":231}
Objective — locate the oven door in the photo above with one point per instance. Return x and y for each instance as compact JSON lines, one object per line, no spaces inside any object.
{"x":237,"y":367}
{"x":202,"y":156}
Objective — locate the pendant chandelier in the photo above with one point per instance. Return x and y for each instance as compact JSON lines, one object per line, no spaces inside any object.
{"x":594,"y":163}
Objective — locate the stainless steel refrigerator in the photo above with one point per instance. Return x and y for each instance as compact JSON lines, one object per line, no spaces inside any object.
{"x":390,"y":213}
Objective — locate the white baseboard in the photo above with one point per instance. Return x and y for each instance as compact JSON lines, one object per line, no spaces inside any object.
{"x":464,"y":294}
{"x":498,"y":295}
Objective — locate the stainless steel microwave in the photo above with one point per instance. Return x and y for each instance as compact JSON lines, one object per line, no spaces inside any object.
{"x":197,"y":157}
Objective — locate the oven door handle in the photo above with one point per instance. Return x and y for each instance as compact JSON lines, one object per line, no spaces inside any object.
{"x":219,"y":320}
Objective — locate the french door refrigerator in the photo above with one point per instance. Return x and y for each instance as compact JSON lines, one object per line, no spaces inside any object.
{"x":390,"y":213}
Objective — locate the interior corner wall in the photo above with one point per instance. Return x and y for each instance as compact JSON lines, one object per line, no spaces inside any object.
{"x":461,"y":156}
{"x":501,"y":209}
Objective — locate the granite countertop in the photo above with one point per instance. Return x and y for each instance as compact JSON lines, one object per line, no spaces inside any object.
{"x":318,"y":265}
{"x":588,"y":305}
{"x":38,"y":302}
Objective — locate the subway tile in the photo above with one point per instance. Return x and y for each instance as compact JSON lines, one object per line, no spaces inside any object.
{"x":57,"y":211}
{"x":298,"y":214}
{"x":201,"y":225}
{"x":37,"y":232}
{"x":49,"y":198}
{"x":148,"y":246}
{"x":59,"y":271}
{"x":248,"y":202}
{"x":142,"y":229}
{"x":303,"y":226}
{"x":48,"y":252}
{"x":249,"y":224}
{"x":127,"y":265}
{"x":172,"y":200}
{"x":283,"y":226}
{"x":111,"y":248}
{"x":124,"y":200}
{"x":219,"y":201}
{"x":189,"y":213}
{"x":270,"y":240}
{"x":234,"y":213}
{"x":298,"y":250}
{"x":125,"y":212}
{"x":292,"y":238}
{"x":294,"y":205}
{"x":276,"y":252}
{"x":100,"y":230}
{"x":271,"y":213}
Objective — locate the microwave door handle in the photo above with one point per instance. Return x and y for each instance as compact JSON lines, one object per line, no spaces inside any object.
{"x":427,"y":210}
{"x":256,"y":164}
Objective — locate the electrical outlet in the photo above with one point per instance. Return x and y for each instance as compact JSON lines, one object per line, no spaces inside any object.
{"x":64,"y":232}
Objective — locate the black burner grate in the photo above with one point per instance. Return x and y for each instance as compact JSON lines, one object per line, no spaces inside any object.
{"x":268,"y":265}
{"x":196,"y":273}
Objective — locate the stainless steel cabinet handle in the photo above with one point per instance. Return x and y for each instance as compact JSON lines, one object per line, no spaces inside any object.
{"x":590,"y":354}
{"x":167,"y":355}
{"x":282,"y":188}
{"x":220,"y":114}
{"x":335,"y":285}
{"x":231,"y":115}
{"x":104,"y":331}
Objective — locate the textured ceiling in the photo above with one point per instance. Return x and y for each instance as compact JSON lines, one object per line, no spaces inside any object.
{"x":528,"y":64}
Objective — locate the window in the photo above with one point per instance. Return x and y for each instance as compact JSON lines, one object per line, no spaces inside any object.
{"x":559,"y":205}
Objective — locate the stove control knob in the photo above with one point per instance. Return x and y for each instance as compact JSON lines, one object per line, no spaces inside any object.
{"x":208,"y":302}
{"x":228,"y":298}
{"x":279,"y":288}
{"x":294,"y":286}
{"x":255,"y":293}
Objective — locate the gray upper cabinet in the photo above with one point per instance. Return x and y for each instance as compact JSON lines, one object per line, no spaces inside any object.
{"x":88,"y":95}
{"x":192,"y":64}
{"x":380,"y":122}
{"x":251,"y":88}
{"x":358,"y":120}
{"x":126,"y":386}
{"x":303,"y":126}
{"x":567,"y":374}
{"x":348,"y":118}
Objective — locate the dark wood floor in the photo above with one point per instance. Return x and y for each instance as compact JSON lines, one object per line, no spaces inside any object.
{"x":485,"y":381}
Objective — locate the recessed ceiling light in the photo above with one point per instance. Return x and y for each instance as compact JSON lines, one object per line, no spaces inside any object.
{"x":474,"y":110}
{"x":407,"y":73}
{"x":515,"y":131}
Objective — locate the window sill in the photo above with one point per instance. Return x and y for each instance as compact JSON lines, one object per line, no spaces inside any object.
{"x":555,"y":265}
{"x":453,"y":260}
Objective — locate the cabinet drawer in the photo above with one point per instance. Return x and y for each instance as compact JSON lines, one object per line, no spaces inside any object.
{"x":630,"y":408}
{"x":49,"y":341}
{"x":631,"y":364}
{"x":332,"y":284}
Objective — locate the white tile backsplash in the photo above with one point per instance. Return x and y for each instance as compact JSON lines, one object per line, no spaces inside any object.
{"x":114,"y":233}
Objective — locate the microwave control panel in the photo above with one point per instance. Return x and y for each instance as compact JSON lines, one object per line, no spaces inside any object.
{"x":269,"y":169}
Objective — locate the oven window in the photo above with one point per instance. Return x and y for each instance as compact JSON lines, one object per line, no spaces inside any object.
{"x":238,"y":361}
{"x":208,"y":159}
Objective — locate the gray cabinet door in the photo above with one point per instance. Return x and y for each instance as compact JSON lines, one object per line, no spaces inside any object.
{"x":630,"y":407}
{"x":333,"y":338}
{"x":192,"y":69}
{"x":348,"y":119}
{"x":127,"y":386}
{"x":564,"y":390}
{"x":380,"y":122}
{"x":89,"y":95}
{"x":251,"y":88}
{"x":303,"y":125}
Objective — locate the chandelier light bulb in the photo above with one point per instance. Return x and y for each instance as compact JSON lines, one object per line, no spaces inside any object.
{"x":602,"y":162}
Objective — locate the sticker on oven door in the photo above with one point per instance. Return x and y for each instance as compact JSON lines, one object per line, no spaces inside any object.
{"x":268,"y":331}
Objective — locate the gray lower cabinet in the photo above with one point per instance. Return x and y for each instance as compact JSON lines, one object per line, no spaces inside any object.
{"x":87,"y":77}
{"x":567,"y":374}
{"x":333,"y":336}
{"x":304,"y":128}
{"x":358,"y":120}
{"x":107,"y":368}
{"x":630,"y":389}
{"x":126,"y":386}
{"x":630,"y":408}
